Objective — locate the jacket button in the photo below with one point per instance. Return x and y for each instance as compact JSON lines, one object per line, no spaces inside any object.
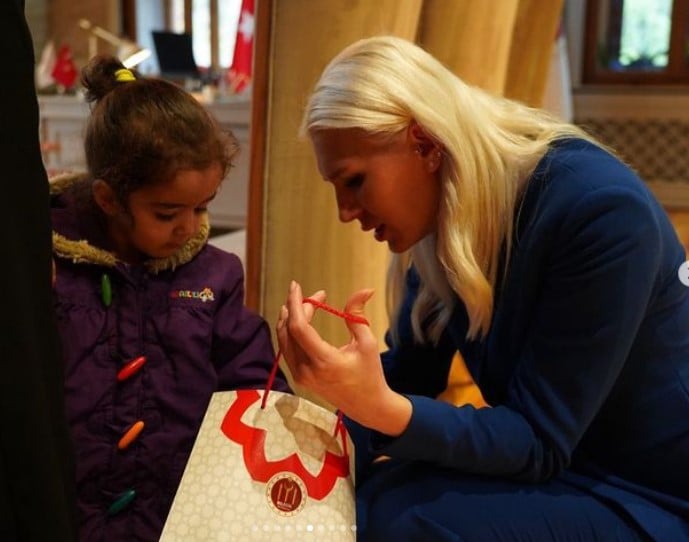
{"x":130,"y":368}
{"x":130,"y":435}
{"x":106,"y":290}
{"x":123,"y":500}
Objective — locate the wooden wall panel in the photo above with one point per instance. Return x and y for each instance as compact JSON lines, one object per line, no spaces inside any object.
{"x":505,"y":49}
{"x":680,"y":220}
{"x":471,"y":39}
{"x":533,"y":40}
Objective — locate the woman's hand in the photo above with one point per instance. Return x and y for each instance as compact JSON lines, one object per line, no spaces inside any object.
{"x":350,"y":377}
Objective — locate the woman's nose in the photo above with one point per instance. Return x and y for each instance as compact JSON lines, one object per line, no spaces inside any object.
{"x":348,"y":208}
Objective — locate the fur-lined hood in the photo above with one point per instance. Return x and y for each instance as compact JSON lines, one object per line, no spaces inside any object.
{"x":76,"y":237}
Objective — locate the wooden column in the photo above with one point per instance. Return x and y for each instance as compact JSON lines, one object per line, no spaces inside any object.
{"x":293,"y":230}
{"x":470,"y":38}
{"x":532,"y":43}
{"x":504,"y":49}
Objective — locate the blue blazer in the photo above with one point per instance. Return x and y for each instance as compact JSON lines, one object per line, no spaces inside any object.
{"x":586,"y":364}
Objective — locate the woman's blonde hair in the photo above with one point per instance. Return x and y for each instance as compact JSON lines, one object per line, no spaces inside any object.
{"x":489,"y":145}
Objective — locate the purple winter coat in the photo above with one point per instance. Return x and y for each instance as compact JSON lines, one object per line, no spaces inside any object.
{"x":187,"y":317}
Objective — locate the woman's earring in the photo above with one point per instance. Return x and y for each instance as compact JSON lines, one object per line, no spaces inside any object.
{"x":434,"y":161}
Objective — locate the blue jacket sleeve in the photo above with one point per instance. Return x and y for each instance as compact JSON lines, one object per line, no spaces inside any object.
{"x":242,"y":350}
{"x":596,"y":285}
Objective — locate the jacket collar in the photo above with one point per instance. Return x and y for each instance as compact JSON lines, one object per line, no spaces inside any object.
{"x":69,"y":243}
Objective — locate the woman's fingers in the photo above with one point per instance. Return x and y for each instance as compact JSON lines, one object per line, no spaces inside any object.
{"x":300,"y":329}
{"x":355,"y":306}
{"x":296,"y":358}
{"x":282,"y":317}
{"x":312,"y":361}
{"x":281,"y":327}
{"x":357,"y":301}
{"x":310,"y":309}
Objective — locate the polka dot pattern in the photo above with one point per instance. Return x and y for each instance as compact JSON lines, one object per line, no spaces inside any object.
{"x":218,"y":501}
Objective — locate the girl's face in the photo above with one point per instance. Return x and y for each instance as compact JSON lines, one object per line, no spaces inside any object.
{"x":161,"y":218}
{"x":390,"y":185}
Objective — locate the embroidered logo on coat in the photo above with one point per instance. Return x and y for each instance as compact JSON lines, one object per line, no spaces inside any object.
{"x":204,"y":295}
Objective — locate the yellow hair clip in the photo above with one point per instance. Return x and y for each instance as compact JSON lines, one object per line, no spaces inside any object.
{"x":124,"y":75}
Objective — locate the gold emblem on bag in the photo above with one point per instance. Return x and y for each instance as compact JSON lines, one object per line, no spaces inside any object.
{"x":286,"y":493}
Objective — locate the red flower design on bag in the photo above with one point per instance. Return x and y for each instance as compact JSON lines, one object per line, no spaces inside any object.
{"x":261,"y":469}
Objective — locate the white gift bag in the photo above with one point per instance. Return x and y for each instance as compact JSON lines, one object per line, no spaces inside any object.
{"x":284,"y":472}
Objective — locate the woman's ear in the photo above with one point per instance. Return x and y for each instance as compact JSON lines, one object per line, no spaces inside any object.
{"x":425,"y":146}
{"x":419,"y":139}
{"x":106,"y":198}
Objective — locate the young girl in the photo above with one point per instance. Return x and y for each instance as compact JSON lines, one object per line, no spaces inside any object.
{"x":151,"y":316}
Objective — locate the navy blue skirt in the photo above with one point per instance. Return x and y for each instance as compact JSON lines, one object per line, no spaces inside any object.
{"x":414,"y":501}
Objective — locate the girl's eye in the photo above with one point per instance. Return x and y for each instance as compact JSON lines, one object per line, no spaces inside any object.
{"x":200,"y":210}
{"x":355,"y":182}
{"x":165,"y":217}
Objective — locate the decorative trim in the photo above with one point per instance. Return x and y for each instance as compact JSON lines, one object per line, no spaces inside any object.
{"x":658,"y":104}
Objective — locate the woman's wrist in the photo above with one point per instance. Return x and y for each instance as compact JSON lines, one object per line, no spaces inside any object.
{"x":392,"y":416}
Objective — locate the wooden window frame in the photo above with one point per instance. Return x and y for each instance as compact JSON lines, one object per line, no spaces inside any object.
{"x":128,"y":12}
{"x":677,"y":71}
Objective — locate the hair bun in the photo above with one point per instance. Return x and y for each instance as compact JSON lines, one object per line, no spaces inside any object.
{"x":98,"y":76}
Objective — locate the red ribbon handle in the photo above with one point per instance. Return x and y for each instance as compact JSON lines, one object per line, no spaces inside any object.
{"x":276,"y":361}
{"x":339,"y":426}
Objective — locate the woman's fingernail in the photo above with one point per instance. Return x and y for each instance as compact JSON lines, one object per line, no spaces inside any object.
{"x":292,"y":286}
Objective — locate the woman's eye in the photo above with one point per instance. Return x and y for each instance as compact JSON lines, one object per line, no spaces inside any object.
{"x":355,"y":182}
{"x":200,"y":210}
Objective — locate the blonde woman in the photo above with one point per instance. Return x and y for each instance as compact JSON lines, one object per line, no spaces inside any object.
{"x":543,"y":259}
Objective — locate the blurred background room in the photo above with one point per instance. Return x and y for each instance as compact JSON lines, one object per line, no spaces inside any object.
{"x":619,"y":68}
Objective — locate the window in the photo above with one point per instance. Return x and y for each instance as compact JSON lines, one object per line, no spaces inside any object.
{"x":637,"y":42}
{"x":212,"y":24}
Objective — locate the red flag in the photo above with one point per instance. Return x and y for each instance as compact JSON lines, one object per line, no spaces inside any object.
{"x":239,"y":74}
{"x":65,"y":71}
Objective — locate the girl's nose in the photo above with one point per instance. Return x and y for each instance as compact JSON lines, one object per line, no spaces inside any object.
{"x":187,"y":227}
